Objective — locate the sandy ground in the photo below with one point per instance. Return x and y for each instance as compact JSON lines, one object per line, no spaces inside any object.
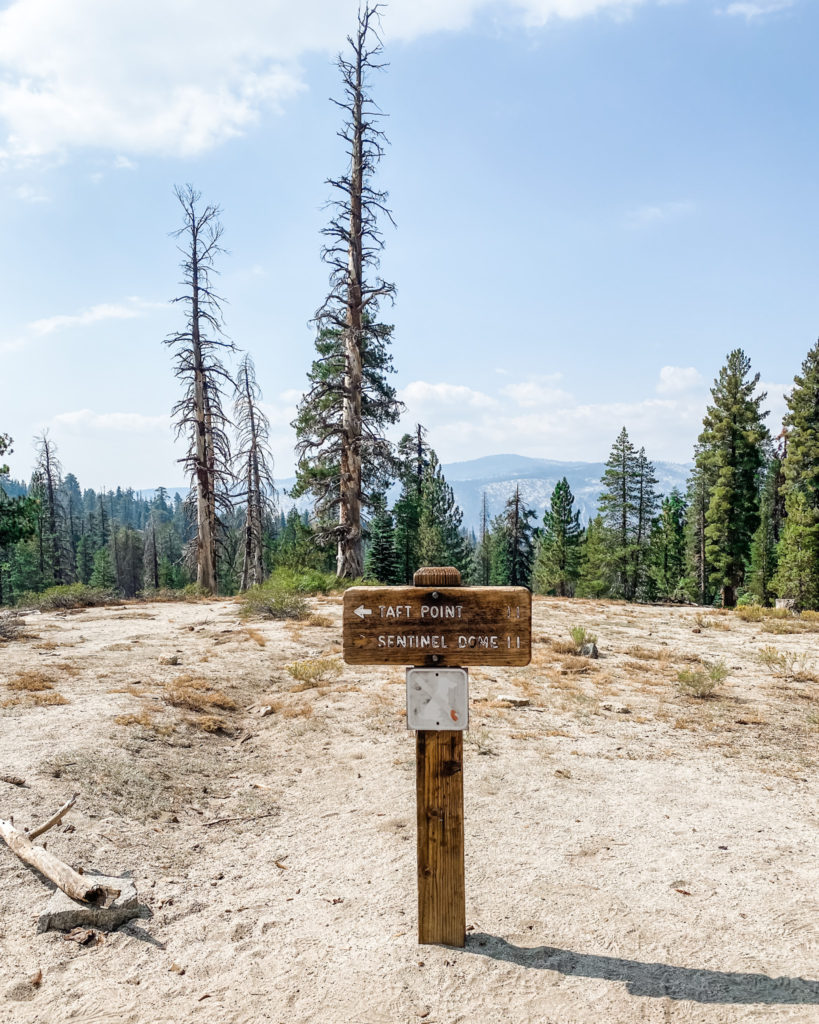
{"x":632,"y":854}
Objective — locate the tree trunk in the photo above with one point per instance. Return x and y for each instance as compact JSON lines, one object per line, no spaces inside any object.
{"x":350,"y":561}
{"x":205,"y":575}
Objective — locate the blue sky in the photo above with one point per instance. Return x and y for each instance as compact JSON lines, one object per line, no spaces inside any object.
{"x":595,"y":201}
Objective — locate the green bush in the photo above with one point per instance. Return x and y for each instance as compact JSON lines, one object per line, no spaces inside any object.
{"x":308,"y":581}
{"x":581,"y":636}
{"x":703,"y":680}
{"x":72,"y":595}
{"x":270,"y":600}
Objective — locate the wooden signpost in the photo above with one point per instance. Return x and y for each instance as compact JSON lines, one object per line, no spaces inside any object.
{"x":437,"y":624}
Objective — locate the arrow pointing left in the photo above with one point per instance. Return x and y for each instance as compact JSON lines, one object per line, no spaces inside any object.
{"x":361,"y":611}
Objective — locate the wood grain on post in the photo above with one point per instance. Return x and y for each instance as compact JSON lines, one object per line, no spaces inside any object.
{"x":440,"y":803}
{"x":440,"y":818}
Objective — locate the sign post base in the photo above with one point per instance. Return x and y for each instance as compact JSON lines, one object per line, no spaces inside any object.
{"x":440,"y":810}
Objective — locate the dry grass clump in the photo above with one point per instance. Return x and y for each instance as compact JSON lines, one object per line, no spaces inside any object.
{"x":254,"y":634}
{"x":314,"y":671}
{"x":195,"y":694}
{"x":286,"y":710}
{"x":576,"y":666}
{"x":48,"y":699}
{"x":703,"y":681}
{"x":749,"y":613}
{"x":562,"y":647}
{"x":784,"y":626}
{"x":145,"y":720}
{"x":322,"y":621}
{"x":638,"y":666}
{"x":714,"y":623}
{"x":66,"y":668}
{"x":648,"y":653}
{"x":130,"y":689}
{"x":209,"y":723}
{"x":31,"y":680}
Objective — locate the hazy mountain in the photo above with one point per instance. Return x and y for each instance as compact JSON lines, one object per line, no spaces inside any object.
{"x":497,"y":476}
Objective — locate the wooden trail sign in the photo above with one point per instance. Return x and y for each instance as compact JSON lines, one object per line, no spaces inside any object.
{"x":437,"y":625}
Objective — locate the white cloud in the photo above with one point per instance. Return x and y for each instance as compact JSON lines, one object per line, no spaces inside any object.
{"x":675,"y":380}
{"x":132,"y":308}
{"x":177,"y":78}
{"x":531,"y":419}
{"x":536,"y":392}
{"x":105,"y":311}
{"x":757,"y":9}
{"x":422,"y":395}
{"x":29,"y":194}
{"x":122,"y":163}
{"x":659,"y":213}
{"x":84,"y":420}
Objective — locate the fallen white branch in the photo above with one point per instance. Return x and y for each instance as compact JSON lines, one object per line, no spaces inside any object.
{"x":71,"y":882}
{"x":55,"y":819}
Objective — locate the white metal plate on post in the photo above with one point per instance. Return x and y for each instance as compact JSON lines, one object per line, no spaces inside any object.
{"x":437,"y":699}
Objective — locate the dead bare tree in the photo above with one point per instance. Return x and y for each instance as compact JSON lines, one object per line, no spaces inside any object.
{"x":255,"y":473}
{"x":343,"y":456}
{"x":49,"y":470}
{"x":198,"y":347}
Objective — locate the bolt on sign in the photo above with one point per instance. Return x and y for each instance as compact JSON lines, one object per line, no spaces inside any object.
{"x":433,"y":626}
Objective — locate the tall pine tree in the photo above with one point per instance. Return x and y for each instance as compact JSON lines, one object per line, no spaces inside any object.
{"x":413,"y":461}
{"x":440,"y":541}
{"x":799,"y":551}
{"x":627,"y":505}
{"x":730,"y":454}
{"x":381,"y":562}
{"x":667,"y":557}
{"x":765,"y":541}
{"x":557,"y":564}
{"x":513,"y":543}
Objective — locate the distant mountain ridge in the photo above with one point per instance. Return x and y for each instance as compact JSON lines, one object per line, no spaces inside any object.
{"x":498,"y":475}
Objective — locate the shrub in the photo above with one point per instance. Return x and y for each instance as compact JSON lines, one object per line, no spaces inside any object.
{"x":307,"y":581}
{"x":581,"y":636}
{"x":703,"y":680}
{"x":749,"y":613}
{"x":314,"y":671}
{"x":271,"y":600}
{"x":32,"y":680}
{"x":195,"y":694}
{"x":771,"y":658}
{"x":717,"y":672}
{"x":72,"y":595}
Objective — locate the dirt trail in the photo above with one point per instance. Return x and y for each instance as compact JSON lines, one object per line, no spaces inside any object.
{"x":632,"y":854}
